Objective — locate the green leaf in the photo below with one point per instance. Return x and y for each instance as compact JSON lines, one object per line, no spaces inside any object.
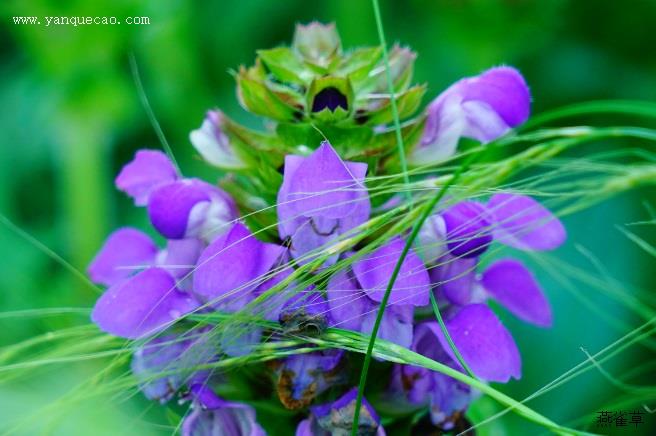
{"x":258,"y":98}
{"x":357,"y":64}
{"x":285,"y":65}
{"x":407,"y":103}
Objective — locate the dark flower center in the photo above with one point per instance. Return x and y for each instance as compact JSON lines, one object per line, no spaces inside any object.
{"x":329,"y":98}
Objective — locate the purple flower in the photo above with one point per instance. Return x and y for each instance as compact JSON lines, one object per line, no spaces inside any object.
{"x":148,"y":170}
{"x":336,"y":418}
{"x":482,"y":107}
{"x":212,"y":415}
{"x":515,"y":220}
{"x":213,"y":143}
{"x":177,"y":358}
{"x":302,"y":377}
{"x":141,"y":305}
{"x":321,"y":197}
{"x":178,"y":208}
{"x":487,"y":348}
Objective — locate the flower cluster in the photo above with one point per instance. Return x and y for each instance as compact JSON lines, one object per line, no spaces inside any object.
{"x":214,"y":266}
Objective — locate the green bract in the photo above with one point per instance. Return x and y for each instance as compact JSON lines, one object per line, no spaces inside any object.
{"x":314,"y":88}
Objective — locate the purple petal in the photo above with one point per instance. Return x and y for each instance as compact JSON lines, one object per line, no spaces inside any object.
{"x":206,"y":397}
{"x":347,"y":302}
{"x":431,"y":239}
{"x":213,"y":144}
{"x":455,"y":278}
{"x":141,"y":305}
{"x":233,"y":266}
{"x":484,"y":343}
{"x":157,"y":356}
{"x":510,"y":283}
{"x":324,"y":185}
{"x":395,"y":326}
{"x":468,"y":229}
{"x":483,"y":108}
{"x":309,"y":427}
{"x":187,"y":208}
{"x":374,"y":270}
{"x":126,"y":251}
{"x":320,"y":198}
{"x":449,"y":398}
{"x":180,"y":256}
{"x":170,"y":206}
{"x":504,"y":90}
{"x":148,"y":170}
{"x":523,"y":223}
{"x":288,"y":219}
{"x":308,"y":238}
{"x":413,"y":382}
{"x":229,"y":419}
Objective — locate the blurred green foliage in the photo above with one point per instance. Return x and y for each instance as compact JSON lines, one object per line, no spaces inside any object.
{"x":71,"y":117}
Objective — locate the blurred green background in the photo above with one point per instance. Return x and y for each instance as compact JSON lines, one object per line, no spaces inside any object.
{"x":71,"y":117}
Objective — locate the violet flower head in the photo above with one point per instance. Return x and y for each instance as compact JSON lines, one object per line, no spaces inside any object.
{"x":321,"y":197}
{"x":483,"y":108}
{"x":214,"y":145}
{"x":213,"y":416}
{"x":336,"y":418}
